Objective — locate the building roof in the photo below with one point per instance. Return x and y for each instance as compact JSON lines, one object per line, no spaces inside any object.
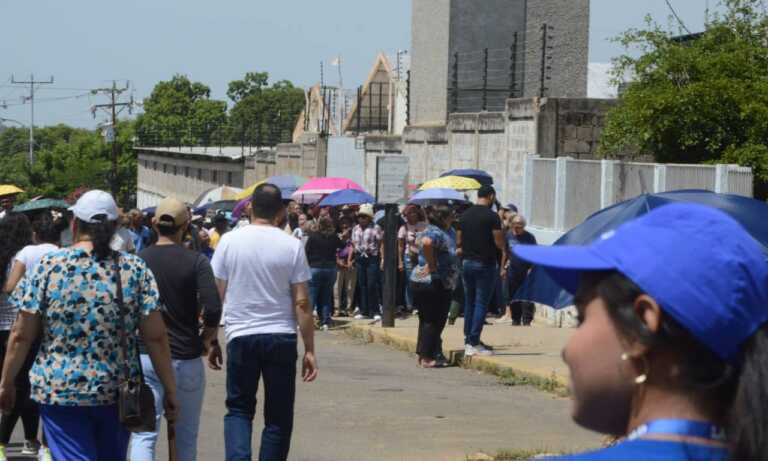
{"x":225,"y":153}
{"x":381,"y":72}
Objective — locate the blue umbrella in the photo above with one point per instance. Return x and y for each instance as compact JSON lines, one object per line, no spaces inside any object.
{"x":432,"y":196}
{"x":478,"y":175}
{"x":750,"y":213}
{"x":149,"y":210}
{"x":347,"y":197}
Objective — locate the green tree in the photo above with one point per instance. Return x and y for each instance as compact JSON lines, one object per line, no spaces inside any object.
{"x":180,"y":112}
{"x":263,"y":115}
{"x":698,"y":100}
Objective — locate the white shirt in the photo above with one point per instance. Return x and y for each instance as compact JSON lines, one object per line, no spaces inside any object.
{"x":30,"y":255}
{"x":122,"y":240}
{"x":259,"y":263}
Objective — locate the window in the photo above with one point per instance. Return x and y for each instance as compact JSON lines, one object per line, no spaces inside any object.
{"x":229,"y":178}
{"x":186,"y":171}
{"x":199,"y":174}
{"x":165,"y":168}
{"x":175,"y":170}
{"x":154,"y":166}
{"x":214,"y":176}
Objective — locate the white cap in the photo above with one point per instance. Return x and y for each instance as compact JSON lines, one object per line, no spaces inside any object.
{"x":94,"y":203}
{"x":366,"y":210}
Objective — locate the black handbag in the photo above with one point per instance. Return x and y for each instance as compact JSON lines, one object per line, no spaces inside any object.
{"x":135,"y":400}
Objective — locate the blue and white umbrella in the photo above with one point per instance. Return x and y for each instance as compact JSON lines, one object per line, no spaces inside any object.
{"x":436,"y":196}
{"x":347,"y":197}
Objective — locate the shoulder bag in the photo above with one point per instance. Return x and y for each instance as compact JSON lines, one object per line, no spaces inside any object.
{"x":135,"y":400}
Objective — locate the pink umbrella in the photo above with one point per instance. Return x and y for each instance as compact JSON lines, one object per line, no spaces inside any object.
{"x":314,"y":190}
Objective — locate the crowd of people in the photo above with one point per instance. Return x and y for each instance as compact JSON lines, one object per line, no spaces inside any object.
{"x":670,"y":354}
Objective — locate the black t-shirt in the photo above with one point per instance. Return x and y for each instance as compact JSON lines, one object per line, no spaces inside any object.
{"x":321,"y":250}
{"x":186,"y":284}
{"x":477,"y":225}
{"x":517,"y":265}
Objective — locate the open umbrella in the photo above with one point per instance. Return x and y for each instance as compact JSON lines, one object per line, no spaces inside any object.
{"x":435,"y":196}
{"x":9,"y":189}
{"x":314,"y":190}
{"x":42,"y":204}
{"x":451,"y":182}
{"x":217,"y":194}
{"x":480,"y":176}
{"x":288,"y":184}
{"x":222,"y":205}
{"x":347,"y":197}
{"x":750,"y":213}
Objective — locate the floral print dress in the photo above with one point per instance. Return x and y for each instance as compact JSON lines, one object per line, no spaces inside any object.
{"x":80,"y":360}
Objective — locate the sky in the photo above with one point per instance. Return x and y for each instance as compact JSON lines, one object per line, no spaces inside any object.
{"x":85,"y":44}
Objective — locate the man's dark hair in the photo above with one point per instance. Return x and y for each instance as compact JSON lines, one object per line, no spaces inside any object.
{"x":267,"y":202}
{"x":486,"y":191}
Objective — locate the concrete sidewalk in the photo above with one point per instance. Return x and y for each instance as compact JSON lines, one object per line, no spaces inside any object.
{"x":529,"y":355}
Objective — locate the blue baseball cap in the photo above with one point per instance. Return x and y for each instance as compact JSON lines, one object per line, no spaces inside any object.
{"x":698,"y":263}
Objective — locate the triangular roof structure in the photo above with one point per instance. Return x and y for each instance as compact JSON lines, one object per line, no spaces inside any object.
{"x":374,"y":102}
{"x":319,"y":114}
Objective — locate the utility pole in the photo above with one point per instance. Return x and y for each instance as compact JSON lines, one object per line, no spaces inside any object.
{"x":112,"y":109}
{"x":32,"y":82}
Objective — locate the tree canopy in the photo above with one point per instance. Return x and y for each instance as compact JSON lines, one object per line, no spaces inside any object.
{"x":695,"y":99}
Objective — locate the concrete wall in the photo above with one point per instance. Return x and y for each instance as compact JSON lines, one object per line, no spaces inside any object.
{"x":570,"y":126}
{"x":569,"y":22}
{"x":184,"y":177}
{"x":306,"y":158}
{"x":430,"y":58}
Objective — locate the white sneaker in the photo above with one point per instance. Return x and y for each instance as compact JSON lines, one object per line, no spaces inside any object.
{"x":376,"y":318}
{"x":356,"y":311}
{"x":481,"y":350}
{"x":469,"y":351}
{"x":30,"y":448}
{"x":314,"y":314}
{"x":324,"y":328}
{"x":359,"y":317}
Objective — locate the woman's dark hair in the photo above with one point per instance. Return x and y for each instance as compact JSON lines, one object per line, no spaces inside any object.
{"x":45,"y":229}
{"x":15,"y":234}
{"x":101,"y":234}
{"x":438,"y":215}
{"x":736,"y":393}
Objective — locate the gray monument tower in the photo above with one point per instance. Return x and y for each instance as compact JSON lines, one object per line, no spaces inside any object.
{"x":451,"y":70}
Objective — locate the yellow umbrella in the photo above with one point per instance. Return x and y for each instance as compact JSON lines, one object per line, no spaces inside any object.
{"x":249,"y":190}
{"x":451,"y":182}
{"x":9,"y":189}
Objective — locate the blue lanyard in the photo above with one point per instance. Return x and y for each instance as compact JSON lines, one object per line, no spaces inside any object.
{"x":680,"y":427}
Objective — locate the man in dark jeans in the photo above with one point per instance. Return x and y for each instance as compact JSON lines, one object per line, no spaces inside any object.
{"x":479,"y":241}
{"x":262,"y":275}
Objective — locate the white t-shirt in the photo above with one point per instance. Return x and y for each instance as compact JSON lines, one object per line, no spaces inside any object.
{"x":30,"y":255}
{"x":122,"y":240}
{"x":259,"y":263}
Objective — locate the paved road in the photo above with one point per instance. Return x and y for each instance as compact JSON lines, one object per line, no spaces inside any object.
{"x":372,"y":403}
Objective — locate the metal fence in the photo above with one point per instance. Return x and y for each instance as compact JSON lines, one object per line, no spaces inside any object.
{"x":558,"y":194}
{"x":251,"y":134}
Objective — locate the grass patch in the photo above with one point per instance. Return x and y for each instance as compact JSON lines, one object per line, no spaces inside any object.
{"x":524,"y":455}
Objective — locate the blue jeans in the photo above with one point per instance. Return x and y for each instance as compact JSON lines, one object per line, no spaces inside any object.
{"x":190,"y":388}
{"x":84,"y":433}
{"x":408,"y":268}
{"x":479,"y":280}
{"x":368,"y":275}
{"x":249,"y":358}
{"x":321,"y":292}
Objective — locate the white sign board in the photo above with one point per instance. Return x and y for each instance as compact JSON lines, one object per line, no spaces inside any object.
{"x":392,"y":179}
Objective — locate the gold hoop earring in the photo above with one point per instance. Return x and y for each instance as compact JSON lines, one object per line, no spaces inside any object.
{"x":642,"y":378}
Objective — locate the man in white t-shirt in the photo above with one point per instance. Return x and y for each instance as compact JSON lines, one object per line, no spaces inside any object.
{"x":262,"y":275}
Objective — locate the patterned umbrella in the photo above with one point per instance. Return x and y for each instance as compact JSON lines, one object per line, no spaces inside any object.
{"x":451,"y":182}
{"x":217,"y":194}
{"x":478,"y":175}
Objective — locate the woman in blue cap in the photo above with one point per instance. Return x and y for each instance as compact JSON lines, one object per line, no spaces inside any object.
{"x":671,"y":353}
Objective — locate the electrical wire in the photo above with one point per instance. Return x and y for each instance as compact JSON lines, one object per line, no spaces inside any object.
{"x":677,"y":17}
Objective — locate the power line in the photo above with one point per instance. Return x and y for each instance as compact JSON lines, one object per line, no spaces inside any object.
{"x":32,"y":82}
{"x":112,"y":107}
{"x":677,"y":17}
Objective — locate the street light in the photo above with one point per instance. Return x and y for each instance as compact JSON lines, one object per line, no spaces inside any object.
{"x":3,"y":119}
